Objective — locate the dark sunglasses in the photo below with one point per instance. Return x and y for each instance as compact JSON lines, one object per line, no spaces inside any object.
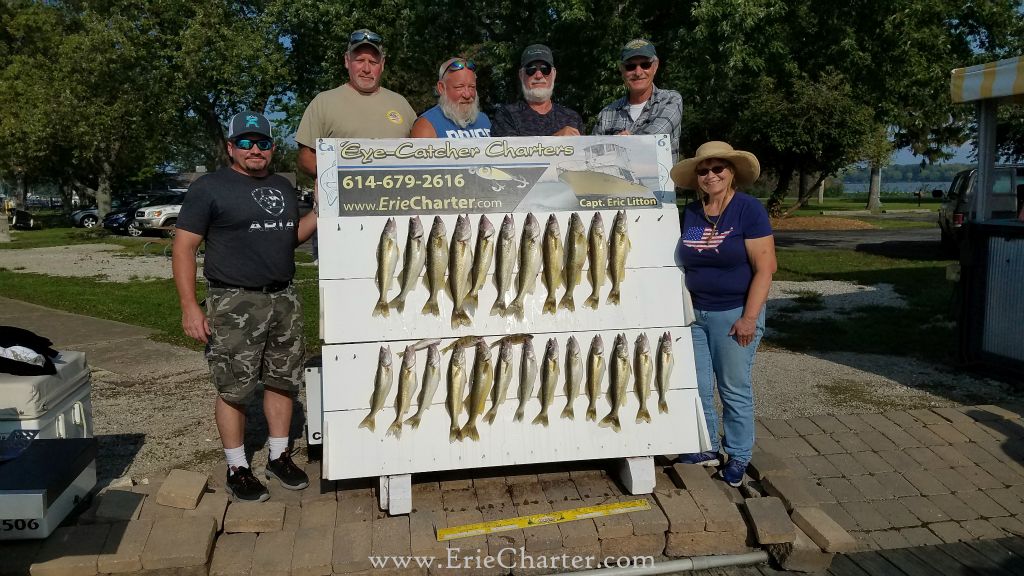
{"x":716,"y":169}
{"x":457,"y":65}
{"x":630,"y":66}
{"x":530,"y":70}
{"x":247,"y":144}
{"x":361,"y":36}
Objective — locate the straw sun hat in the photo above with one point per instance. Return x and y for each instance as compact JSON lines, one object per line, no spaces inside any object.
{"x":745,"y":165}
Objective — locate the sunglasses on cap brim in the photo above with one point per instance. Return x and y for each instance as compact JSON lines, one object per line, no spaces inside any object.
{"x":263,"y":144}
{"x":360,"y":36}
{"x":532,"y":69}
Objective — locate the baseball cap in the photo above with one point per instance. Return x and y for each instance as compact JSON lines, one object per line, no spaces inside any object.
{"x":364,"y":37}
{"x":249,"y":122}
{"x":535,"y":52}
{"x":638,"y":47}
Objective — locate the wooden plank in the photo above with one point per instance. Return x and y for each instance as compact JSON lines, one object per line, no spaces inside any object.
{"x":649,"y":297}
{"x":349,"y":369}
{"x":843,"y":566}
{"x":943,"y":563}
{"x":348,"y":245}
{"x":973,"y":559}
{"x":874,"y":563}
{"x":907,"y":562}
{"x":999,"y":555}
{"x":352,"y":452}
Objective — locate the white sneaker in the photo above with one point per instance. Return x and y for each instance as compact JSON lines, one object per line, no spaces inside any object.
{"x":316,"y":262}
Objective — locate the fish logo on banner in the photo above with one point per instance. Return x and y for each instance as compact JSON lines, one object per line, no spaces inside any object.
{"x":704,"y":238}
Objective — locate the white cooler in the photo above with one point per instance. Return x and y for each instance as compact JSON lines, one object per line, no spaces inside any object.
{"x":58,"y":405}
{"x":39,"y":488}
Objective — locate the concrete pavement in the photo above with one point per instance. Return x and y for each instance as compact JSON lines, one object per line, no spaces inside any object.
{"x":112,"y":346}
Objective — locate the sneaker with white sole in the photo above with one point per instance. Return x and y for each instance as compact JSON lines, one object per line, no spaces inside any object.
{"x":709,"y":458}
{"x":733,"y":472}
{"x":243,"y":485}
{"x":287,"y":473}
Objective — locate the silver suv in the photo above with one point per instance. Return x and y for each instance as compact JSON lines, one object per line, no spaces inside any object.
{"x":161,"y":214}
{"x":959,"y":201}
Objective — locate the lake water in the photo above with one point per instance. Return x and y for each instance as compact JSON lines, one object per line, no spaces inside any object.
{"x":904,"y":187}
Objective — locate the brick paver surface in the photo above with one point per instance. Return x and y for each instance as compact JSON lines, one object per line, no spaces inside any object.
{"x":885,"y":480}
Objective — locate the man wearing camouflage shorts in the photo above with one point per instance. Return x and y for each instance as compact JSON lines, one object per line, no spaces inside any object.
{"x":252,"y":328}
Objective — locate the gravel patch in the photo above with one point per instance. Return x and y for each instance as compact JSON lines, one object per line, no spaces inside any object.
{"x":106,"y":262}
{"x":825,"y":298}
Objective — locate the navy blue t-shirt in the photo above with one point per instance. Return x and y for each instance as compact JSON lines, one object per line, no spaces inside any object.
{"x":718,"y":272}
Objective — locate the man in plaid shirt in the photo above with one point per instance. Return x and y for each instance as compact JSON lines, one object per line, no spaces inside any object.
{"x":646,"y":109}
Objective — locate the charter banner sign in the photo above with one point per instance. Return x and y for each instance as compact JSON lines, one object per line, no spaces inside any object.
{"x":362,"y":177}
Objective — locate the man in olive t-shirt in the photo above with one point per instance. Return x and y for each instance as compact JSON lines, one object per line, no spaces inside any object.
{"x":360,"y":108}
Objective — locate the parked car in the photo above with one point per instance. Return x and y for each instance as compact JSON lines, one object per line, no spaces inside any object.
{"x":960,"y":201}
{"x":161,"y":213}
{"x":123,"y":221}
{"x":89,"y":217}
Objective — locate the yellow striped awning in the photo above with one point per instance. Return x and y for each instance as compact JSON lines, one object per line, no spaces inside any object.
{"x":1001,"y":79}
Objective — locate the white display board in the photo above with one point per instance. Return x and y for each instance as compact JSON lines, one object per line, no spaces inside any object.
{"x":364,"y":183}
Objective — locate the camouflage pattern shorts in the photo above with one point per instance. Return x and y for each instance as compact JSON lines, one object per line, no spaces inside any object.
{"x":254,"y":337}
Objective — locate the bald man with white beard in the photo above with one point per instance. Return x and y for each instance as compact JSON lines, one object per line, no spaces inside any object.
{"x":457,"y":113}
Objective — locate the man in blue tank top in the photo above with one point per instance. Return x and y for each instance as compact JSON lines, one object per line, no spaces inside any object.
{"x":457,"y":114}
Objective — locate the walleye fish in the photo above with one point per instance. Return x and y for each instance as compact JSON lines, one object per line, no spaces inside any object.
{"x":598,"y":260}
{"x":437,"y":263}
{"x":505,"y":263}
{"x":553,"y":259}
{"x":481,"y":259}
{"x":620,"y":373}
{"x":527,"y":377}
{"x":431,"y":378}
{"x":595,"y":375}
{"x":415,"y":256}
{"x":502,"y":378}
{"x":381,"y":388}
{"x":548,"y":381}
{"x":456,"y":382}
{"x":573,"y":376}
{"x":665,"y":362}
{"x":575,"y":258}
{"x":387,"y":260}
{"x":460,"y":260}
{"x":421,"y":345}
{"x":406,"y":388}
{"x":620,"y":246}
{"x":464,"y":342}
{"x":643,"y":370}
{"x":483,"y":377}
{"x":529,"y":265}
{"x":516,"y":339}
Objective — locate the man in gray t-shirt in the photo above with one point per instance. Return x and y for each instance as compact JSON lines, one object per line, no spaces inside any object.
{"x":252,"y":326}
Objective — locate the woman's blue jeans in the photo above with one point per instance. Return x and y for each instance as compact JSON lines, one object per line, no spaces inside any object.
{"x":720,"y":358}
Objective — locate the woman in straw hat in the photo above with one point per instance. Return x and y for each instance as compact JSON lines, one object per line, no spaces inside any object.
{"x":728,"y":254}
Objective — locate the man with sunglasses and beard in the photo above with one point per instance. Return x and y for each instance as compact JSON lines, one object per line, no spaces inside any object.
{"x":645,"y":109}
{"x":536,"y":114}
{"x":457,"y":114}
{"x":253,"y":324}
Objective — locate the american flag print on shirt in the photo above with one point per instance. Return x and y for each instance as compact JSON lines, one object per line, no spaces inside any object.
{"x":701,"y":238}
